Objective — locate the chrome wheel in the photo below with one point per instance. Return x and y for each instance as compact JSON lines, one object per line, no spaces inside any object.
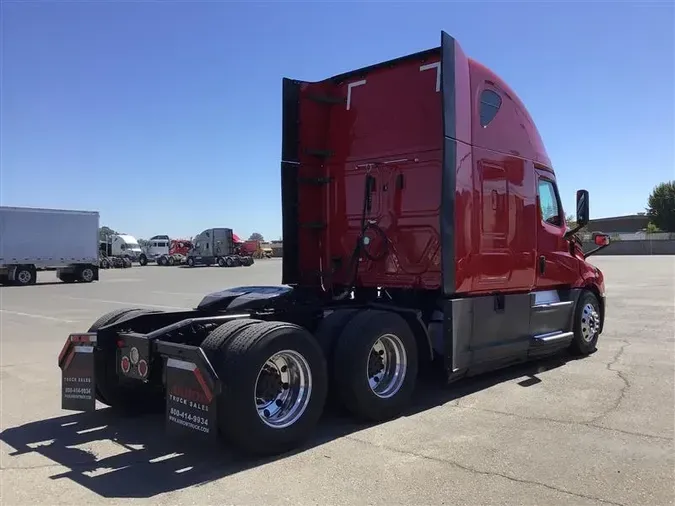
{"x":283,"y":389}
{"x":387,"y":366}
{"x":590,"y":322}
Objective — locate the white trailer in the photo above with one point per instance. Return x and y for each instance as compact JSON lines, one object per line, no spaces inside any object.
{"x":32,"y":239}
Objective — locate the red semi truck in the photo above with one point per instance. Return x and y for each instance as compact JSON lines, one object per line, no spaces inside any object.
{"x":422,"y":227}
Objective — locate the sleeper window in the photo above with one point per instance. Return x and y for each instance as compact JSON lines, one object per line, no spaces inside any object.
{"x":548,"y":202}
{"x":490,"y":102}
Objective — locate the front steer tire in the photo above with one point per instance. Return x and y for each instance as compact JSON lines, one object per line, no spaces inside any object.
{"x":586,"y":325}
{"x":352,"y":361}
{"x":239,"y":361}
{"x":126,"y":399}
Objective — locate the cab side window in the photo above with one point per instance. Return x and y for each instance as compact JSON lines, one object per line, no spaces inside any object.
{"x":549,"y":203}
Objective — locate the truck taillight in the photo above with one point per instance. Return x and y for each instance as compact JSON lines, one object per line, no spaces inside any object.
{"x":142,"y":368}
{"x":125,"y":364}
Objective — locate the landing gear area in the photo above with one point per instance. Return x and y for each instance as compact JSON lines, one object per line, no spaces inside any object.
{"x":255,"y":366}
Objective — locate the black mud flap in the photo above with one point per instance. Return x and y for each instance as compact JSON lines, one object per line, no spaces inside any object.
{"x":192,"y":388}
{"x":78,"y":381}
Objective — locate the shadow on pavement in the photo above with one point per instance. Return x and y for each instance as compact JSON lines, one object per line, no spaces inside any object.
{"x":42,"y":283}
{"x":146,"y":462}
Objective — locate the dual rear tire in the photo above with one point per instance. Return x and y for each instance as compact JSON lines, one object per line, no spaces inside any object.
{"x":274,"y":379}
{"x":275,"y":375}
{"x":373,"y":362}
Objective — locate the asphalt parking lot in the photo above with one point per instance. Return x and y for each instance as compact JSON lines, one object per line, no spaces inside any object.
{"x":561,"y":431}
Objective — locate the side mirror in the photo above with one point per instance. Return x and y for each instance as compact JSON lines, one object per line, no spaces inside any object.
{"x":583,"y":210}
{"x":601,"y":241}
{"x":583,"y":213}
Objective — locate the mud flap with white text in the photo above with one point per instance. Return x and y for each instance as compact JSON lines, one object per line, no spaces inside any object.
{"x":190,"y":400}
{"x":78,"y":381}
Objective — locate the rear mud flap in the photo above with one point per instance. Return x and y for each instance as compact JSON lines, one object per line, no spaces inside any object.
{"x":192,"y":389}
{"x":78,"y":381}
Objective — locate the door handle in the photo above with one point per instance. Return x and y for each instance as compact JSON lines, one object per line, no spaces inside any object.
{"x":542,"y":264}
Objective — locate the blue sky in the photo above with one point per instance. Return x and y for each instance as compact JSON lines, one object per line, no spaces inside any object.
{"x":165,"y":116}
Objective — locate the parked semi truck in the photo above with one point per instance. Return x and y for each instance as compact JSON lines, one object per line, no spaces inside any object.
{"x":422,"y":227}
{"x":33,"y":239}
{"x":165,"y":251}
{"x":106,"y":258}
{"x":216,"y":246}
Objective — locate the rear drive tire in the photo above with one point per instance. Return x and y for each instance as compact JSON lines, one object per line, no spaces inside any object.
{"x":229,"y":262}
{"x":375,"y":365}
{"x":138,"y":398}
{"x":270,"y":407}
{"x":586,"y":325}
{"x":215,"y":341}
{"x":87,"y":274}
{"x":67,"y":277}
{"x":330,"y":328}
{"x":24,"y":276}
{"x":171,"y":261}
{"x":221,"y":262}
{"x":327,"y":333}
{"x":143,"y":260}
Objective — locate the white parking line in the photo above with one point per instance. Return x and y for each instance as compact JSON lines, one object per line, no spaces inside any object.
{"x":126,"y":303}
{"x":41,"y":317}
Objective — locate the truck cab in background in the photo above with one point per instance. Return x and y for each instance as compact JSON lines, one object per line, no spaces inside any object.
{"x":216,"y":246}
{"x":125,"y":246}
{"x":157,"y":247}
{"x":165,"y":251}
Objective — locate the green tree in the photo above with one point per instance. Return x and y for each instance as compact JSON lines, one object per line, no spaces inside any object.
{"x":256,"y":236}
{"x":661,"y":206}
{"x":105,"y":232}
{"x":652,"y":229}
{"x":571,"y":221}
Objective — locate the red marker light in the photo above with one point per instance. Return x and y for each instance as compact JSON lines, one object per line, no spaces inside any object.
{"x":125,"y":364}
{"x":142,"y":368}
